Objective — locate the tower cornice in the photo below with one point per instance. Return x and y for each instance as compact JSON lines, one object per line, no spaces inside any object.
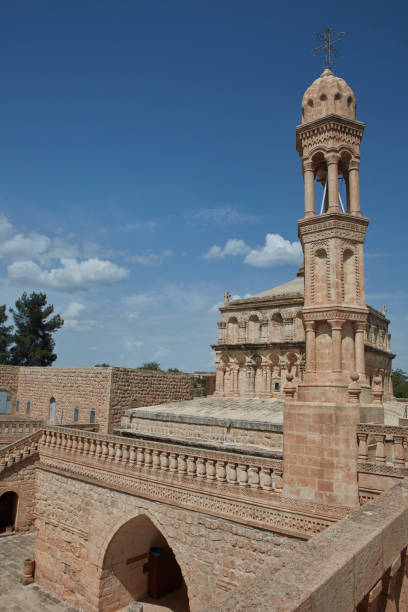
{"x":331,"y":225}
{"x":328,"y":133}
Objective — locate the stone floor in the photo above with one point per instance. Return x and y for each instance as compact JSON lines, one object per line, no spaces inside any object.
{"x":14,"y":597}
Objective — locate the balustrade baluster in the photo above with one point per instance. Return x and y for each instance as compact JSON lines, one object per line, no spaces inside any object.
{"x":74,"y":443}
{"x":80,"y":447}
{"x":243,"y":475}
{"x":148,"y":457}
{"x":26,"y":451}
{"x":70,"y":442}
{"x":278,"y":479}
{"x":111,"y":451}
{"x":173,"y":464}
{"x":86,"y":446}
{"x":399,"y":451}
{"x":362,"y":446}
{"x":380,"y":449}
{"x":105,"y":450}
{"x":132,"y":455}
{"x":98,"y":449}
{"x":254,"y":477}
{"x":48,"y":439}
{"x":92,"y":448}
{"x":140,"y":456}
{"x":182,"y":464}
{"x":118,"y":452}
{"x":125,"y":454}
{"x":191,"y":466}
{"x":221,"y":472}
{"x":210,"y":469}
{"x":266,"y":479}
{"x":156,"y":460}
{"x":164,"y":461}
{"x":43,"y":438}
{"x":2,"y":464}
{"x":232,"y":473}
{"x":201,"y":471}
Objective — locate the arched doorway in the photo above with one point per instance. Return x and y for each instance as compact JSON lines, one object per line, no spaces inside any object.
{"x":140,"y":566}
{"x":8,"y":511}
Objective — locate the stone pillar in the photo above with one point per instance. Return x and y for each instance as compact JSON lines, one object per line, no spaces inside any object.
{"x":308,"y":175}
{"x":354,"y":188}
{"x":332,"y":160}
{"x":359,"y":328}
{"x":282,"y":364}
{"x":219,"y":382}
{"x":336,"y":326}
{"x":250,"y":369}
{"x":234,"y":374}
{"x":310,"y":346}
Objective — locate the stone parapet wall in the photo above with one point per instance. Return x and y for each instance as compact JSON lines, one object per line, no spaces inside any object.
{"x":146,"y":388}
{"x":358,"y":564}
{"x":244,"y":433}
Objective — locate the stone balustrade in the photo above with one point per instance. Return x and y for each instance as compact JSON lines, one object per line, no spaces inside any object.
{"x":18,"y":429}
{"x":20,"y":450}
{"x":211,"y":466}
{"x":382,"y":445}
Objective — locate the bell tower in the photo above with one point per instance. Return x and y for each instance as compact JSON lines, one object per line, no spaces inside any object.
{"x":320,"y":442}
{"x":332,"y":235}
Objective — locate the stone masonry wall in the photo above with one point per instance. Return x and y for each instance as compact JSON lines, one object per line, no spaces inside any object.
{"x":83,"y":387}
{"x":146,"y":388}
{"x":81,"y":519}
{"x":211,"y":433}
{"x":9,"y":382}
{"x":21,"y":480}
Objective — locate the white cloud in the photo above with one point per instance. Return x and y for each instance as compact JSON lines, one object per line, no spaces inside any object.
{"x":73,"y":310}
{"x":72,"y":276}
{"x":234,"y":246}
{"x":221,"y":215}
{"x":138,"y":225}
{"x":150,"y":258}
{"x":5,"y":226}
{"x":20,"y":247}
{"x":276,"y":252}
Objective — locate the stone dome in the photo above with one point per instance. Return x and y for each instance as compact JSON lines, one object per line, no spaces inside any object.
{"x":326,"y":95}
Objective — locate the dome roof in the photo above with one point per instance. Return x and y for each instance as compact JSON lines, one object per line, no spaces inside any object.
{"x":326,"y":95}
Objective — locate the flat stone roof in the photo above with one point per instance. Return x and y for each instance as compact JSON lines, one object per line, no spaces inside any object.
{"x":248,"y":413}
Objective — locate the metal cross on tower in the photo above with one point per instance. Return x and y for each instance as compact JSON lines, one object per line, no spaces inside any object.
{"x":327,"y":44}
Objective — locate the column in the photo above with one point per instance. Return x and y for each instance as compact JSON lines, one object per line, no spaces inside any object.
{"x":310,"y":346}
{"x":359,"y":328}
{"x":332,"y":160}
{"x":220,"y":380}
{"x":251,"y":380}
{"x":308,"y":176}
{"x":234,"y":374}
{"x":336,"y":326}
{"x":354,"y":188}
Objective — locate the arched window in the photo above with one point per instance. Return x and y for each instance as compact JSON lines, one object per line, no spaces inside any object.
{"x":92,"y":414}
{"x":28,"y":407}
{"x":232,"y":330}
{"x":76,"y":414}
{"x":52,"y":409}
{"x":253,"y":329}
{"x":17,"y":405}
{"x":277,"y":327}
{"x":5,"y":402}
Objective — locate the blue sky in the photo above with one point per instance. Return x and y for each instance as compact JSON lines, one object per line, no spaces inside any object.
{"x":147,"y":148}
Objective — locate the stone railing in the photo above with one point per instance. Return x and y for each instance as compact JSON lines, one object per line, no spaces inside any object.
{"x":20,"y":450}
{"x":201,"y":464}
{"x":82,"y":426}
{"x":18,"y":429}
{"x":384,"y":446}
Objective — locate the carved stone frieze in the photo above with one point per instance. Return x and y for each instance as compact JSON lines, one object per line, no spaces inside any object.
{"x":334,"y":314}
{"x":273,"y":519}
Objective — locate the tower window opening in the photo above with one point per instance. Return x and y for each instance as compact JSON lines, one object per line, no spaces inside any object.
{"x":76,"y":414}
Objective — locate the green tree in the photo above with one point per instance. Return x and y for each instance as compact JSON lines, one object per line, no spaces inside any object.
{"x":6,"y":336}
{"x":102,"y":365}
{"x":175,"y":370}
{"x":400,"y":383}
{"x":33,"y":341}
{"x":150,"y":365}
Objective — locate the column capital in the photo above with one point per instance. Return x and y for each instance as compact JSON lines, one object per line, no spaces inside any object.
{"x":332,"y":158}
{"x":354,"y":164}
{"x":310,"y":325}
{"x":308,"y":166}
{"x":359,"y":326}
{"x":336,"y":323}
